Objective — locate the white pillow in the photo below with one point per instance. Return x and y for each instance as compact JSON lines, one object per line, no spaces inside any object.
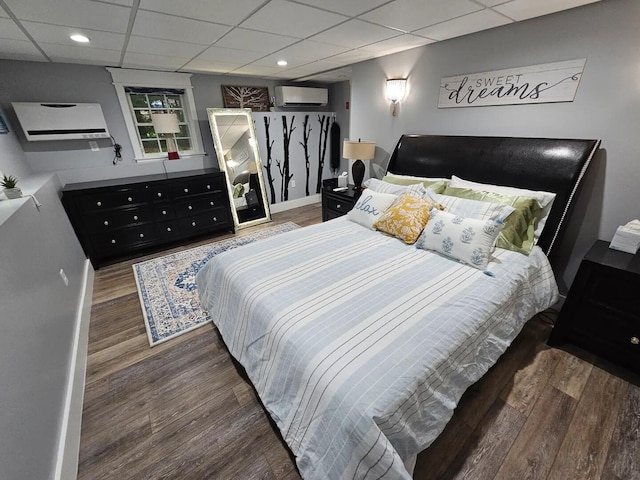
{"x":465,"y":207}
{"x":370,"y":207}
{"x":544,"y":198}
{"x":417,"y":179}
{"x":467,"y":240}
{"x":417,"y":189}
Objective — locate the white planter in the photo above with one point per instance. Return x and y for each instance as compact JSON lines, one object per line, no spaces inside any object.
{"x":13,"y":192}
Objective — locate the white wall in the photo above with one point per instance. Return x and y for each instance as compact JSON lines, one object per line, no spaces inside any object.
{"x":607,"y":104}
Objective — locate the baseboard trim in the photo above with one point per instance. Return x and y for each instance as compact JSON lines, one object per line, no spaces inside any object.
{"x":298,"y":202}
{"x":69,"y":442}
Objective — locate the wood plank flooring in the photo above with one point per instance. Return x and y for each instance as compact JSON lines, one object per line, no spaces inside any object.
{"x":180,"y":410}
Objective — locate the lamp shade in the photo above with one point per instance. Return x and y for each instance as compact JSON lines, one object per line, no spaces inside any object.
{"x":165,"y":122}
{"x":358,"y":150}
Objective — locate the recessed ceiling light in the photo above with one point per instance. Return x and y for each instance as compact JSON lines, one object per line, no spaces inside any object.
{"x":79,"y":38}
{"x":282,"y":63}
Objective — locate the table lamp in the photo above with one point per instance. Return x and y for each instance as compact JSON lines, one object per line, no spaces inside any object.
{"x":166,"y":124}
{"x":358,"y":151}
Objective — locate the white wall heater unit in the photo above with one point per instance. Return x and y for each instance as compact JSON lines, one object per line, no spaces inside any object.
{"x":61,"y":121}
{"x":301,"y":96}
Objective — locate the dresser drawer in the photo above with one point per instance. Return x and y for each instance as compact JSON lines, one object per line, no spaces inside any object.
{"x":339,"y":205}
{"x":158,"y":192}
{"x":106,"y":200}
{"x":216,"y":217}
{"x":198,"y":204}
{"x":110,"y":219}
{"x":163,"y":212}
{"x":169,"y":230}
{"x":115,"y":241}
{"x":197,"y":186}
{"x":614,"y":290}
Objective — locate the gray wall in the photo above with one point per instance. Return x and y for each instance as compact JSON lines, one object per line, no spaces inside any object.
{"x":607,"y":103}
{"x":37,"y":321}
{"x":339,"y":96}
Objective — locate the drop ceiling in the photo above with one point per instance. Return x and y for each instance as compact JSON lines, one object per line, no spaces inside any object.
{"x":319,"y":39}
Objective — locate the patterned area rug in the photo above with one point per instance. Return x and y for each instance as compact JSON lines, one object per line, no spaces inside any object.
{"x":167,"y":288}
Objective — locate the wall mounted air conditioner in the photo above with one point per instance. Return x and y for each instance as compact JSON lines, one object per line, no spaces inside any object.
{"x":61,"y":121}
{"x":301,"y":96}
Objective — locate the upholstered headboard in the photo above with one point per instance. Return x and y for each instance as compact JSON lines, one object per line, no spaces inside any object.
{"x":549,"y":164}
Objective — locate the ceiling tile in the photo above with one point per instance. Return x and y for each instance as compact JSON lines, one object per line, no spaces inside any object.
{"x":243,"y":39}
{"x":311,"y":50}
{"x":231,"y":55}
{"x":163,"y":47}
{"x":354,"y":34}
{"x":59,"y":35}
{"x":291,"y":19}
{"x":73,"y":54}
{"x":9,"y":30}
{"x":146,"y":60}
{"x":339,"y":75}
{"x":351,"y":56}
{"x":397,"y":44}
{"x":126,"y":3}
{"x":524,"y":9}
{"x":351,"y":7}
{"x":219,"y":11}
{"x":259,"y":70}
{"x":159,"y":25}
{"x":474,"y":22}
{"x":271,"y":61}
{"x":410,"y":15}
{"x":74,"y":13}
{"x":212,"y":66}
{"x":20,"y":50}
{"x":491,"y":3}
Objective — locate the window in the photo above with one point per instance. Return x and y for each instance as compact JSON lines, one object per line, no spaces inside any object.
{"x":142,"y":93}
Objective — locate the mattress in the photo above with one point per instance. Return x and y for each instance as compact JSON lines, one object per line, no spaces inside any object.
{"x":360,"y":346}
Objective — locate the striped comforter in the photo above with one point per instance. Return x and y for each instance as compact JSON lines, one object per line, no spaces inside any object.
{"x":360,"y":346}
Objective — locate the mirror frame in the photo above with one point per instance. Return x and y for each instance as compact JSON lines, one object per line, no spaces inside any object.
{"x":217,"y":141}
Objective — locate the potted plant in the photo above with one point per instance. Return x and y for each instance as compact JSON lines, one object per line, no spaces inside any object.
{"x":9,"y":182}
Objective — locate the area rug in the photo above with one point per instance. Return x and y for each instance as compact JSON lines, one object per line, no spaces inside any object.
{"x":167,"y":288}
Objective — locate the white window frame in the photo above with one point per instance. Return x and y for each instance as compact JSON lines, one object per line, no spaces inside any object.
{"x":123,"y":77}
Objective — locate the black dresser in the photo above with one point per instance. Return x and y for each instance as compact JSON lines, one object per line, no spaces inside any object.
{"x":602,"y":310}
{"x":120,"y":218}
{"x":336,"y":204}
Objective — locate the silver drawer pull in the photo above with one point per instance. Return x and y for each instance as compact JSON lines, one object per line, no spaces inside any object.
{"x":164,"y":212}
{"x":99,"y":204}
{"x":208,"y":187}
{"x":130,"y":199}
{"x":635,"y":340}
{"x":113,"y":241}
{"x":106,"y":222}
{"x":186,"y":190}
{"x":135,"y":217}
{"x":142,"y":235}
{"x":211,"y":203}
{"x":215,"y":219}
{"x":193,"y":224}
{"x":338,"y":205}
{"x":168,"y":229}
{"x":190,"y":207}
{"x":159,"y":194}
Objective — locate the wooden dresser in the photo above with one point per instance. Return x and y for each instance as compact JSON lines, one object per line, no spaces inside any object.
{"x":120,"y":218}
{"x":602,"y":310}
{"x":336,"y":204}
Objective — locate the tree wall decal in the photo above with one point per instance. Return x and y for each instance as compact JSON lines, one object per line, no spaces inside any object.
{"x":322,"y":147}
{"x":284,"y":167}
{"x":306,"y":127}
{"x":268,"y":163}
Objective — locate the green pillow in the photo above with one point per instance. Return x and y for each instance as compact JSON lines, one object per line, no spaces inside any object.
{"x":437,"y":186}
{"x":517,"y":234}
{"x":238,"y":190}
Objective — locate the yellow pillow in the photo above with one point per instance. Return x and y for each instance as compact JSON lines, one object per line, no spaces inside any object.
{"x":406,"y":218}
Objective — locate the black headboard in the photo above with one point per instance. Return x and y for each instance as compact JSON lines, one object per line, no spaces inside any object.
{"x":549,"y":164}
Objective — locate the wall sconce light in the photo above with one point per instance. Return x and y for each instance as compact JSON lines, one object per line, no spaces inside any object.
{"x":396,"y":90}
{"x":167,"y":124}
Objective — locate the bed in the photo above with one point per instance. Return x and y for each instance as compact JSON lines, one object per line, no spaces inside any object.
{"x":359,"y":345}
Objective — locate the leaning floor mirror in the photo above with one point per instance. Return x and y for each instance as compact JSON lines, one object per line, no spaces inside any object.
{"x":234,"y":137}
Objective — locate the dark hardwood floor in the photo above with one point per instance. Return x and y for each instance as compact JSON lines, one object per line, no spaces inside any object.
{"x":181,"y":411}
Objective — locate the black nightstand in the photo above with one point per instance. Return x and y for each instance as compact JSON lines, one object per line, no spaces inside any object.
{"x":336,"y":204}
{"x":602,"y":310}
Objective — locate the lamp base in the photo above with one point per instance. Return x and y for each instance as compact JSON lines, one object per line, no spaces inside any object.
{"x":357,"y":172}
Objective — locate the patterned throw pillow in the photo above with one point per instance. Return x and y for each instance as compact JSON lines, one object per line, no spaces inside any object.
{"x":436,"y":184}
{"x":471,"y":208}
{"x":468,"y":240}
{"x":406,"y":218}
{"x":370,"y":207}
{"x":416,"y":189}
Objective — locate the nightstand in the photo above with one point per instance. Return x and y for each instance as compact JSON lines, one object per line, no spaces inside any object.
{"x":602,"y":310}
{"x":336,"y":204}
